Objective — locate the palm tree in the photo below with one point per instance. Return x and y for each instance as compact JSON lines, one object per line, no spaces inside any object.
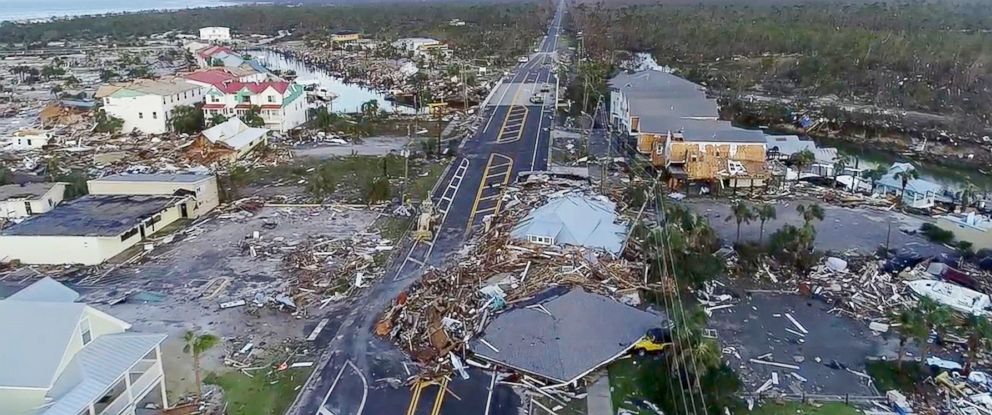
{"x":968,"y":195}
{"x":910,"y":327}
{"x":840,"y":164}
{"x":979,"y":334}
{"x":905,"y":176}
{"x":936,"y":317}
{"x":810,"y":212}
{"x":802,"y":160}
{"x":766,"y":212}
{"x":196,"y":345}
{"x":742,"y":214}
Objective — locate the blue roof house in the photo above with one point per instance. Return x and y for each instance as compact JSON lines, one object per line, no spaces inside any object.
{"x":920,"y":193}
{"x":574,"y":220}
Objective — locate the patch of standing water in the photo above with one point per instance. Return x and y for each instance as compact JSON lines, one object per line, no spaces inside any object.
{"x":349,"y":96}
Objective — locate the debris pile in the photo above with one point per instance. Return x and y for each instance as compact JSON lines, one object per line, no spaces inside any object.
{"x":440,"y":313}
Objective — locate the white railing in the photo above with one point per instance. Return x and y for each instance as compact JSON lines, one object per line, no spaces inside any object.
{"x":139,"y":388}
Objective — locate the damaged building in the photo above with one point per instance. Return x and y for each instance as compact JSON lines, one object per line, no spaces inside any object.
{"x":120,"y":212}
{"x":574,"y":220}
{"x":677,"y":127}
{"x":563,"y":334}
{"x":226,"y":142}
{"x":27,"y":199}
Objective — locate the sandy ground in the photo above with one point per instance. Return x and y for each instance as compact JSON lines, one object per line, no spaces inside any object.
{"x":372,"y":146}
{"x":842,"y":229}
{"x":206,"y":268}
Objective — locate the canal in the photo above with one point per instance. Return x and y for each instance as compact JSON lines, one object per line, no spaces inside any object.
{"x":349,"y":96}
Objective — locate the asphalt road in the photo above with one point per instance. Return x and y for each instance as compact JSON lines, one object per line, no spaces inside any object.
{"x":356,"y":377}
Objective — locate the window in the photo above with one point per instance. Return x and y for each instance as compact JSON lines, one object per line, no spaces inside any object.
{"x":50,"y":203}
{"x":163,"y":100}
{"x":127,"y":235}
{"x":272,"y":98}
{"x":154,"y":115}
{"x":542,"y":240}
{"x":84,"y":329}
{"x":29,"y":141}
{"x":214,"y":98}
{"x":27,"y":208}
{"x":141,"y":116}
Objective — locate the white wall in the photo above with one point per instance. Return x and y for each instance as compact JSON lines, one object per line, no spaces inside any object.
{"x":16,"y":208}
{"x":215,"y":33}
{"x":150,"y":114}
{"x":207,"y":196}
{"x":85,"y":250}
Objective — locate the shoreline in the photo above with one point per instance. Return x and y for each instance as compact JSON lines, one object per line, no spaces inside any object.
{"x":43,"y":17}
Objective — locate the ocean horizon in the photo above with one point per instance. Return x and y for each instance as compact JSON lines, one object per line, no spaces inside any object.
{"x":20,"y":10}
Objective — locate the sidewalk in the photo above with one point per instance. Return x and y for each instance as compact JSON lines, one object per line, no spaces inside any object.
{"x":599,"y":401}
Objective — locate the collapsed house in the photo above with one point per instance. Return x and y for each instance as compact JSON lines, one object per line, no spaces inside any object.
{"x":563,"y":334}
{"x":678,"y":128}
{"x":120,"y":212}
{"x":61,"y":357}
{"x":226,"y":142}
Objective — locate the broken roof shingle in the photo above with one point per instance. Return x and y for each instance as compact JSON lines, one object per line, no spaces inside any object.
{"x":583,"y":332}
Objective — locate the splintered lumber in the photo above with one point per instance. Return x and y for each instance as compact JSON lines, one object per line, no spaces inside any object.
{"x":776,"y":364}
{"x":796,"y":323}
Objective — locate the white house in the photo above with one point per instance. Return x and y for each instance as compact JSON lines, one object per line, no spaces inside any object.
{"x":23,"y":200}
{"x":227,"y":141}
{"x":422,"y":46}
{"x":146,"y":105}
{"x":60,"y":357}
{"x":121,"y":211}
{"x":26,"y":139}
{"x":282,"y":104}
{"x":215,"y":34}
{"x":917,"y":193}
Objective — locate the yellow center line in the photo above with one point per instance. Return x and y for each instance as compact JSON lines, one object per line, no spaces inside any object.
{"x":484,"y":184}
{"x":415,"y":398}
{"x":441,"y":392}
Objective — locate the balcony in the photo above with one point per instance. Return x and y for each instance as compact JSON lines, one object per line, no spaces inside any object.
{"x":144,"y":376}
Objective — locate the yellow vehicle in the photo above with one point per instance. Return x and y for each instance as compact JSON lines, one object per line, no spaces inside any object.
{"x":656,"y":340}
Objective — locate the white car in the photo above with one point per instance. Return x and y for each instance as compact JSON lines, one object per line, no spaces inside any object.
{"x":522,"y":59}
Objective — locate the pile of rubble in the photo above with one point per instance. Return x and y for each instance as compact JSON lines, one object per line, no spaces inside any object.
{"x":438,"y":315}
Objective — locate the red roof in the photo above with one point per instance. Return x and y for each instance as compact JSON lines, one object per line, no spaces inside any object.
{"x":271,"y":106}
{"x":213,"y":106}
{"x":211,"y":50}
{"x":215,"y":77}
{"x":255,"y":87}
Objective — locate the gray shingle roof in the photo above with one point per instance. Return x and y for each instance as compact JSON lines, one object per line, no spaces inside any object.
{"x":25,"y":191}
{"x":92,"y":215}
{"x":583,"y":332}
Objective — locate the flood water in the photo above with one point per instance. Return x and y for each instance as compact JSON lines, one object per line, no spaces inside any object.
{"x":952,"y":178}
{"x":350,"y":96}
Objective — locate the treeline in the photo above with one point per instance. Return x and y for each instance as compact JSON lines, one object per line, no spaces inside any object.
{"x":928,"y":56}
{"x":380,"y":20}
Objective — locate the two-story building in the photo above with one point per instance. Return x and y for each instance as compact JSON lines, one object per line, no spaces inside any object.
{"x":282,"y":104}
{"x":677,"y":127}
{"x":215,"y":34}
{"x":146,"y":105}
{"x":61,"y":357}
{"x":346,"y":36}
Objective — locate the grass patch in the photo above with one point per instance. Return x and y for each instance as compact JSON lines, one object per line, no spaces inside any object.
{"x":420,"y":186}
{"x":393,"y":227}
{"x":264,"y":394}
{"x":791,"y":408}
{"x":887,"y":376}
{"x":625,"y":384}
